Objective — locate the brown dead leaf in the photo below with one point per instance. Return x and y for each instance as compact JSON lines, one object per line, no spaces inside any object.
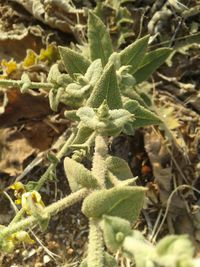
{"x":57,"y":14}
{"x":161,"y":163}
{"x":30,"y":114}
{"x":162,"y":167}
{"x":23,"y":107}
{"x":14,"y":149}
{"x":40,"y":134}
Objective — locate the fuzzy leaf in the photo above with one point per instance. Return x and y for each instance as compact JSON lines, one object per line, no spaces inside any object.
{"x":78,"y":176}
{"x":99,"y":39}
{"x":134,"y":54}
{"x":106,"y":89}
{"x":44,"y":223}
{"x":54,"y":73}
{"x":175,"y":251}
{"x":143,"y":116}
{"x":118,"y":167}
{"x":109,"y":260}
{"x":54,"y":97}
{"x":83,"y":134}
{"x":71,"y":115}
{"x":105,"y":121}
{"x":132,"y":94}
{"x":94,"y":72}
{"x":73,"y":61}
{"x":179,"y":246}
{"x":137,"y":247}
{"x":115,"y":229}
{"x":151,"y":62}
{"x":125,"y":202}
{"x":26,"y":80}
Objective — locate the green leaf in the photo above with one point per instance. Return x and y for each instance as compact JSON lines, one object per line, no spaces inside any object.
{"x":99,"y":39}
{"x":55,"y":95}
{"x":106,"y":89}
{"x":84,"y":263}
{"x":175,"y":250}
{"x":109,"y":260}
{"x":179,"y":246}
{"x":132,"y":94}
{"x":118,"y":167}
{"x":94,"y":72}
{"x":115,"y":230}
{"x":43,"y":223}
{"x":143,"y":252}
{"x":31,"y":185}
{"x":73,"y":61}
{"x":71,"y":115}
{"x":151,"y":62}
{"x":78,"y":176}
{"x":83,"y":134}
{"x":54,"y":73}
{"x":125,"y":202}
{"x":143,"y":116}
{"x":134,"y":54}
{"x":105,"y":121}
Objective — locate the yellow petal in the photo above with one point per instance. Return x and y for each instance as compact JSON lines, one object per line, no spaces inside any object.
{"x":18,"y":201}
{"x":30,"y":59}
{"x":23,"y":236}
{"x":32,"y":202}
{"x":50,"y":53}
{"x":8,"y":66}
{"x":17,"y":186}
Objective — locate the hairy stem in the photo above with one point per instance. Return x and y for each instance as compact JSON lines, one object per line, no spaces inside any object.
{"x":50,"y":210}
{"x":99,"y":167}
{"x":19,"y":83}
{"x":95,"y":246}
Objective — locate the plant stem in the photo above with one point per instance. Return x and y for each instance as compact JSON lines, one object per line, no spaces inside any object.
{"x":19,"y":83}
{"x":50,"y":210}
{"x":99,"y":167}
{"x":95,"y":247}
{"x":45,"y":176}
{"x":52,"y":166}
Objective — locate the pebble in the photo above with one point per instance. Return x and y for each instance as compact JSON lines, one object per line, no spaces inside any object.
{"x":46,"y":259}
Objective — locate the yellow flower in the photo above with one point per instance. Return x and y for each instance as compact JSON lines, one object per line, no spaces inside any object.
{"x":23,"y":236}
{"x":32,"y":203}
{"x":30,"y":59}
{"x":19,"y":189}
{"x":8,"y":66}
{"x":8,"y":244}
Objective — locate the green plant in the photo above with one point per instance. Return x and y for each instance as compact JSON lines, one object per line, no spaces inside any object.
{"x":170,"y":251}
{"x":101,"y":90}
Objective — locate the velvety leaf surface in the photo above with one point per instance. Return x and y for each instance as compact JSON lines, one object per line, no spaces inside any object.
{"x":99,"y":39}
{"x":134,"y":54}
{"x":74,"y":62}
{"x":125,"y":202}
{"x":118,"y":167}
{"x":151,"y":62}
{"x":143,"y":116}
{"x":106,"y":89}
{"x":115,"y":229}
